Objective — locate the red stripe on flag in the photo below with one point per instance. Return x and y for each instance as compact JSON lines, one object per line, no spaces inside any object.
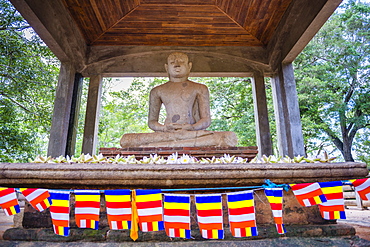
{"x":87,"y":204}
{"x":276,"y":206}
{"x":58,"y":209}
{"x":239,"y":211}
{"x":176,"y":212}
{"x":334,"y":196}
{"x":152,"y":204}
{"x":211,"y":212}
{"x":6,"y":192}
{"x":118,"y":204}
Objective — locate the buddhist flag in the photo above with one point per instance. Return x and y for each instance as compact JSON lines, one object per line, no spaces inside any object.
{"x":209,"y":214}
{"x":333,"y":208}
{"x":9,"y":201}
{"x":362,"y":187}
{"x":308,"y":194}
{"x":275,"y":197}
{"x":38,"y":198}
{"x":87,"y":208}
{"x":149,"y":210}
{"x":59,"y":211}
{"x":242,"y":216}
{"x":177,"y":215}
{"x":118,"y":204}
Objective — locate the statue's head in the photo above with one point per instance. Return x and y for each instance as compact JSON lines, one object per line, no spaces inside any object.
{"x":178,"y":65}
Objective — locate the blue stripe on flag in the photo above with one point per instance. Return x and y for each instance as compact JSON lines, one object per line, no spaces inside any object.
{"x":208,"y":199}
{"x":87,"y":192}
{"x":147,"y":192}
{"x":59,"y":196}
{"x":330,"y":184}
{"x":117,"y":192}
{"x":275,"y":193}
{"x":240,"y":197}
{"x":178,"y":199}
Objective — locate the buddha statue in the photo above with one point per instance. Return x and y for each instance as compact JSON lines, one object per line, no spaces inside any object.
{"x":187,"y":113}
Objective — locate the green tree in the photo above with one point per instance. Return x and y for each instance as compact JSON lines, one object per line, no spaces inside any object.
{"x":28,"y":72}
{"x":333,"y":84}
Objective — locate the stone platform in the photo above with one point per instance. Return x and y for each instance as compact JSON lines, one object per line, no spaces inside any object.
{"x":300,"y":221}
{"x":198,"y":152}
{"x":148,"y":176}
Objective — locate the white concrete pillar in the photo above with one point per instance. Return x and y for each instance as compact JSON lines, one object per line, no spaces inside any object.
{"x":287,"y":117}
{"x":263,"y":134}
{"x":90,"y":138}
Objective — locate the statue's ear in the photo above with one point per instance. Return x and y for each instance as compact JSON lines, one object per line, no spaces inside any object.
{"x":190,"y":65}
{"x":166,"y":67}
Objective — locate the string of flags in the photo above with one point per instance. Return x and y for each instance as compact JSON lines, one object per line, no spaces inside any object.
{"x":153,"y":210}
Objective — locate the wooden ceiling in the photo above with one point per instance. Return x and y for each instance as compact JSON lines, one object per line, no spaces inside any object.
{"x":177,"y":22}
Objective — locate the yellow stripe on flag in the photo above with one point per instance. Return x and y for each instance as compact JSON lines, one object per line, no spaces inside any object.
{"x":208,"y":206}
{"x":175,"y":205}
{"x":241,"y":204}
{"x":119,"y":198}
{"x":214,"y":233}
{"x":61,"y":203}
{"x":274,"y":199}
{"x":149,"y":198}
{"x":134,"y":218}
{"x":88,"y":198}
{"x":330,"y":190}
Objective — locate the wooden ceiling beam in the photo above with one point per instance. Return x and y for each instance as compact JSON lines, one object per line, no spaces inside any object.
{"x":301,"y":22}
{"x":150,"y":60}
{"x":57,"y":29}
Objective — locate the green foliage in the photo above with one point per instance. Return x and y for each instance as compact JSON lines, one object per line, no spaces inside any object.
{"x":28,"y":73}
{"x":333,"y":83}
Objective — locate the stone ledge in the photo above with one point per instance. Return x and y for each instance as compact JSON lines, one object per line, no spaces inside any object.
{"x":197,"y":152}
{"x":105,"y":176}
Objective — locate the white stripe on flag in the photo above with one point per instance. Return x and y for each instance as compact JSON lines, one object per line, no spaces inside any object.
{"x":39,"y":207}
{"x":82,"y":223}
{"x":306,"y":202}
{"x":310,"y":188}
{"x":237,"y":232}
{"x":59,"y":216}
{"x":118,"y":211}
{"x":35,"y":194}
{"x":363,"y":185}
{"x":204,"y":234}
{"x":333,"y":202}
{"x":7,"y":198}
{"x":171,"y":232}
{"x":242,"y":217}
{"x":149,"y":211}
{"x":210,"y":219}
{"x":182,"y":219}
{"x":277,"y":213}
{"x":144,"y":227}
{"x":326,"y":215}
{"x":114,"y":225}
{"x":87,"y":210}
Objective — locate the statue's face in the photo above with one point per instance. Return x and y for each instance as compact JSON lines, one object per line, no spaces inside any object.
{"x":178,"y":65}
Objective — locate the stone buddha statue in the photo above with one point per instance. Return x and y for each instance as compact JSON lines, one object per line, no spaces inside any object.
{"x":187,"y":113}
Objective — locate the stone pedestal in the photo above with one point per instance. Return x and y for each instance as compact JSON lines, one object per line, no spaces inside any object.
{"x":300,"y":221}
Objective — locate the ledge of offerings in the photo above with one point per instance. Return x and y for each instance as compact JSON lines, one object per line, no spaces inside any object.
{"x":111,"y":176}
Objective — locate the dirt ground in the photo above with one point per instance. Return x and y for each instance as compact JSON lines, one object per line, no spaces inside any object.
{"x":360,"y":220}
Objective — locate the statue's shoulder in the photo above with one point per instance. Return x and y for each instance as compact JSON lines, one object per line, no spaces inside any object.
{"x":159,"y":88}
{"x":199,"y":86}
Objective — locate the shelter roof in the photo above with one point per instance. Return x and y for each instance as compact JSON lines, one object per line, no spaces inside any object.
{"x":130,"y":37}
